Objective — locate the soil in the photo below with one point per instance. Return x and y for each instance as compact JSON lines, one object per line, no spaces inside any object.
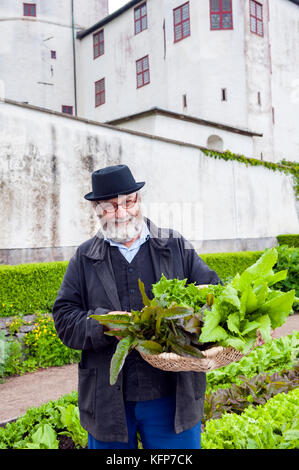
{"x":35,"y":388}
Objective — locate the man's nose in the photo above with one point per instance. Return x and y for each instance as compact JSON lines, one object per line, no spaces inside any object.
{"x":121,"y":212}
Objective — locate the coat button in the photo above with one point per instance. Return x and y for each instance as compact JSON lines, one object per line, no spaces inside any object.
{"x":132,"y":291}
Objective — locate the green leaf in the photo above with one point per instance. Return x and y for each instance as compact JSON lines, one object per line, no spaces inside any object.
{"x":146,"y":300}
{"x":265,"y":327}
{"x":112,"y":318}
{"x":217,"y":334}
{"x":149,"y":347}
{"x":248,"y":326}
{"x":233,"y":322}
{"x":186,"y":350}
{"x":273,"y":278}
{"x":119,"y":357}
{"x":211,"y":321}
{"x":44,"y":438}
{"x":230,"y":296}
{"x":279,"y":308}
{"x":264,"y":264}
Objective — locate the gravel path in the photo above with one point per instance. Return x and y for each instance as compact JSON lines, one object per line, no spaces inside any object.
{"x":35,"y":388}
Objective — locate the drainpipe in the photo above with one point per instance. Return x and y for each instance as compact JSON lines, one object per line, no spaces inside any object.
{"x":74,"y":58}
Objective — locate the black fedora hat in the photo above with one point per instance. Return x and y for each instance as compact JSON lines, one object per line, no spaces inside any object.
{"x":112,"y":181}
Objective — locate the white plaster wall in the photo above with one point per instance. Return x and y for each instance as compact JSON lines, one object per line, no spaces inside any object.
{"x":46,"y":162}
{"x":27,"y":72}
{"x":190,"y":132}
{"x":284,"y":39}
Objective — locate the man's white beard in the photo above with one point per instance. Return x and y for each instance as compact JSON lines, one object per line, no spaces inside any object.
{"x":122,"y":233}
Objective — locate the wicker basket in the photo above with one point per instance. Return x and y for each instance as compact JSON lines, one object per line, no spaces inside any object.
{"x":215,"y":358}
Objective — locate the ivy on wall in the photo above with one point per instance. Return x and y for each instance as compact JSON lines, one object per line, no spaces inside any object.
{"x":285,"y":165}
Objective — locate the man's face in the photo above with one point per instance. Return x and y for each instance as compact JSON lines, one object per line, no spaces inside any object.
{"x":121,"y":217}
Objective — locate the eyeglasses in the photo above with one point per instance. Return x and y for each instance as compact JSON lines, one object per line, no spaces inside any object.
{"x":113,"y":206}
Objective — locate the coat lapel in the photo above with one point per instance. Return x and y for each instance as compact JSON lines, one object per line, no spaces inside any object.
{"x":106,"y":276}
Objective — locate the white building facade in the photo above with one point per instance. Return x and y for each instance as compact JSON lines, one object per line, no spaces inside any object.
{"x":38,"y":49}
{"x":234,"y":63}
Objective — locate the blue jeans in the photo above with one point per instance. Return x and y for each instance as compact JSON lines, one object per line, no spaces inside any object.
{"x":154,"y":419}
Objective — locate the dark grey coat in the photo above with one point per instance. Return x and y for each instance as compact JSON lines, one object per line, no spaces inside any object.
{"x":89,"y":287}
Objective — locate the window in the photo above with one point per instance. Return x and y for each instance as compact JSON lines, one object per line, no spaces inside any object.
{"x":221,"y":14}
{"x":256,"y":18}
{"x":29,"y":9}
{"x":223,"y":94}
{"x":53,"y":54}
{"x":67,"y":109}
{"x":142,"y":70}
{"x":140,"y":18}
{"x":181,"y":22}
{"x":100,"y":92}
{"x":98,"y":44}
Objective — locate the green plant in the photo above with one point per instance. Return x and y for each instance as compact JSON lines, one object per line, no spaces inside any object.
{"x":274,"y":425}
{"x":288,"y":258}
{"x":289,"y":240}
{"x":255,"y":391}
{"x":279,"y":354}
{"x":43,"y":344}
{"x":71,"y":421}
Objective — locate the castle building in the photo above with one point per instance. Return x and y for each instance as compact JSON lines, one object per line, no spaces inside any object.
{"x":222,"y":74}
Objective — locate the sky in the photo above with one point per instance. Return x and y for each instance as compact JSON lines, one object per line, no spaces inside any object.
{"x":115,"y":4}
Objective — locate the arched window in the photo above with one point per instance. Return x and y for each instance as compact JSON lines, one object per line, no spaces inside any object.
{"x":215,"y":143}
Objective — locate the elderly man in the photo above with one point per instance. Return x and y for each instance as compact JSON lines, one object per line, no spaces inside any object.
{"x":164,"y":407}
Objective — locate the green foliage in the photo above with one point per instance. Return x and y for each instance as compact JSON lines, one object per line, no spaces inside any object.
{"x":26,"y":288}
{"x":70,"y":419}
{"x":152,"y":330}
{"x":274,"y":356}
{"x":274,"y":425}
{"x":289,"y":240}
{"x":247,"y":304}
{"x":288,"y":258}
{"x":285,"y":166}
{"x":255,"y":391}
{"x":40,"y":347}
{"x":40,"y":426}
{"x":228,"y":265}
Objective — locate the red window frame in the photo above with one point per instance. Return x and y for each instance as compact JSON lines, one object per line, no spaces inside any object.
{"x":181,"y":23}
{"x":67,"y":109}
{"x":98,"y":44}
{"x":100,"y":92}
{"x":254,"y":18}
{"x":53,"y":54}
{"x":221,"y":12}
{"x":142,"y":71}
{"x":139,"y":17}
{"x":31,"y":9}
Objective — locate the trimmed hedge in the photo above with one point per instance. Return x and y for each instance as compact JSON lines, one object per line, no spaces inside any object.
{"x":291,"y":240}
{"x":28,"y":288}
{"x":33,"y":287}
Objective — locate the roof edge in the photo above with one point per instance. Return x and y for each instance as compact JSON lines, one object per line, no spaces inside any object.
{"x":184,"y":117}
{"x":81,"y":34}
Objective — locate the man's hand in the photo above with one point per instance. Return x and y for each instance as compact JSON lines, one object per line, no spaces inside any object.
{"x":116,"y":312}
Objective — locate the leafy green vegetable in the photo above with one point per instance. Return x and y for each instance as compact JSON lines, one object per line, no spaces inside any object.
{"x":274,"y":425}
{"x":71,"y":420}
{"x":43,"y":438}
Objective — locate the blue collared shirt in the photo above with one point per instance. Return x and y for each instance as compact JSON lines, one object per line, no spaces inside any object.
{"x":129,"y":253}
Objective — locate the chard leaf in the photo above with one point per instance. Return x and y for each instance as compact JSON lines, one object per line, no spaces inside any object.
{"x":112,"y":318}
{"x":118,"y":359}
{"x":121,"y":333}
{"x":265,"y":327}
{"x":187,"y":350}
{"x":149,"y":347}
{"x":233,"y":322}
{"x":146,"y":300}
{"x":176,"y":312}
{"x":278,"y":308}
{"x":120,"y":326}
